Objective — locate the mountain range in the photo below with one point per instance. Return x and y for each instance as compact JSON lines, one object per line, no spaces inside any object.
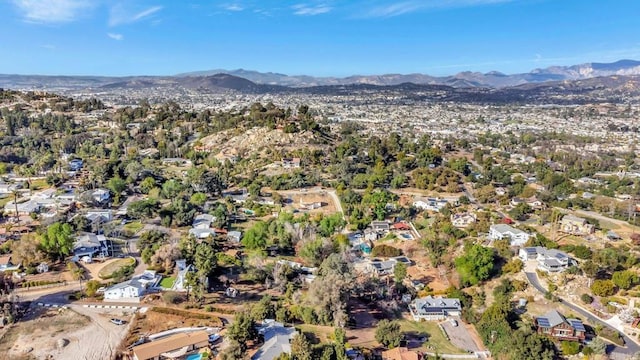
{"x":253,"y":81}
{"x":493,"y":79}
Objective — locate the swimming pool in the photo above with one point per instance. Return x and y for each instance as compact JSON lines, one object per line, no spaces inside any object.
{"x":194,"y":357}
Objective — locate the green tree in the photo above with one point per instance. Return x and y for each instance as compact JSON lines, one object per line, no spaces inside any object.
{"x":58,"y":240}
{"x":388,"y":333}
{"x":513,"y":266}
{"x":198,"y":199}
{"x":117,"y":185}
{"x":92,"y":287}
{"x":625,"y":279}
{"x":242,"y":330}
{"x":301,"y":348}
{"x":399,"y":272}
{"x":476,"y":264}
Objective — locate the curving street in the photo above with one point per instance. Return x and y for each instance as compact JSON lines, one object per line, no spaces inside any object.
{"x":625,"y":352}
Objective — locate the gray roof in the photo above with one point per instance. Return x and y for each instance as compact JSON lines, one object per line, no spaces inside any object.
{"x":553,"y":318}
{"x":277,"y":340}
{"x":574,"y":218}
{"x":504,"y":228}
{"x":430,"y":304}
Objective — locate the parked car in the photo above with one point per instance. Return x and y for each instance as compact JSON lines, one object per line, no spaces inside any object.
{"x":454,"y":322}
{"x":117,"y":321}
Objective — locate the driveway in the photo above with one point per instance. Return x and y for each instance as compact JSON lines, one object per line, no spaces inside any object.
{"x":460,"y":336}
{"x":616,"y":351}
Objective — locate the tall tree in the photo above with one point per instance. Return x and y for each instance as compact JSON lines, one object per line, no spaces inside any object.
{"x":58,"y":240}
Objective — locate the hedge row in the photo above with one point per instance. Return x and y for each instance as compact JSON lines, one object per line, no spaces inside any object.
{"x":187,"y":314}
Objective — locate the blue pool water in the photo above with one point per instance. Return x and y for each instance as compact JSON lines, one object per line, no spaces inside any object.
{"x":194,"y":357}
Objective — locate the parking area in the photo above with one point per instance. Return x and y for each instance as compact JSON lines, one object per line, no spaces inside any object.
{"x":460,"y":336}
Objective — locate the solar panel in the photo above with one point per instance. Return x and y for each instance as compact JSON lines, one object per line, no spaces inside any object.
{"x":577,"y":324}
{"x":544,"y":322}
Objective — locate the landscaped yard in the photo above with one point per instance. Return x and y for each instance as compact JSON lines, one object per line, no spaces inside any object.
{"x":435,"y":338}
{"x":107,"y":271}
{"x":167,"y":282}
{"x":133,"y":227}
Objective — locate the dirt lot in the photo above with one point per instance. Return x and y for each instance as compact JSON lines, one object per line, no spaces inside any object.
{"x":438,"y":279}
{"x":297,"y":200}
{"x":80,"y":333}
{"x":152,"y":322}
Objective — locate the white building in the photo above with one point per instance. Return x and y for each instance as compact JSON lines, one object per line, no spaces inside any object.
{"x":431,"y":204}
{"x":129,"y":290}
{"x":435,"y":308}
{"x":549,"y":260}
{"x":503,"y":231}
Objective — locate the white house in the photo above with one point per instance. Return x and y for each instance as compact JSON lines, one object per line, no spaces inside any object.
{"x":203,"y":221}
{"x":130,"y":290}
{"x":463,"y":220}
{"x":24,"y":208}
{"x":435,"y":308}
{"x":431,"y":204}
{"x":503,"y":231}
{"x":202,"y":233}
{"x":101,"y":195}
{"x":549,"y":260}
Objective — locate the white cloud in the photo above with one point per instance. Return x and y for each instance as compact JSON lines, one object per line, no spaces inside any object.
{"x":115,"y":36}
{"x":310,"y":10}
{"x":233,"y":7}
{"x":120,"y":15}
{"x":52,"y":11}
{"x":405,"y":7}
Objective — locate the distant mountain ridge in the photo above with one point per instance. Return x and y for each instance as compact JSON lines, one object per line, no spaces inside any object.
{"x":256,"y":82}
{"x":493,"y":79}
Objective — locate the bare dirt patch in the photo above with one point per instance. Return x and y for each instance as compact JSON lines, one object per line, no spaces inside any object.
{"x":301,"y":201}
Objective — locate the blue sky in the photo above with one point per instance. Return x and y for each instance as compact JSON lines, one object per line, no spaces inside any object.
{"x":314,"y":37}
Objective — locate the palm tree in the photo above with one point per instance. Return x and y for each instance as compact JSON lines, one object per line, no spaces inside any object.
{"x":15,"y":194}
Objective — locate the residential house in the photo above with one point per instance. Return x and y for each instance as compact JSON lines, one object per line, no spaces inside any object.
{"x":6,"y":189}
{"x":463,"y":220}
{"x":181,"y":280}
{"x":6,"y":265}
{"x":100,"y":216}
{"x":172,"y":347}
{"x":574,"y":225}
{"x":431,"y":204}
{"x":503,"y":231}
{"x":435,"y":308}
{"x":549,"y":260}
{"x":75,"y":164}
{"x":130,"y":290}
{"x":277,"y":340}
{"x":43,"y":267}
{"x":91,"y":245}
{"x":24,"y":208}
{"x":558,"y":327}
{"x":238,"y":196}
{"x":401,"y":226}
{"x":532,"y":202}
{"x":202,"y":233}
{"x":203,"y":221}
{"x":380,"y":226}
{"x":101,"y":195}
{"x":66,"y":197}
{"x":291,"y":163}
{"x":381,"y":268}
{"x":400,"y":353}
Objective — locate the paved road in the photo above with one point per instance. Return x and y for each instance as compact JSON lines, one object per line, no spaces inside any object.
{"x":624,"y":352}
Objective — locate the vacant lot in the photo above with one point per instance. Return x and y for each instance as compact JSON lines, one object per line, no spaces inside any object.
{"x":64,"y":334}
{"x":153,"y":321}
{"x":114,"y":265}
{"x":297,"y":201}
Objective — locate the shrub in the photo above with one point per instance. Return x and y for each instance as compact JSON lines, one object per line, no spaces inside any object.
{"x":172,"y":298}
{"x":385,"y":251}
{"x":570,"y":347}
{"x":603,"y":288}
{"x":586,"y":298}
